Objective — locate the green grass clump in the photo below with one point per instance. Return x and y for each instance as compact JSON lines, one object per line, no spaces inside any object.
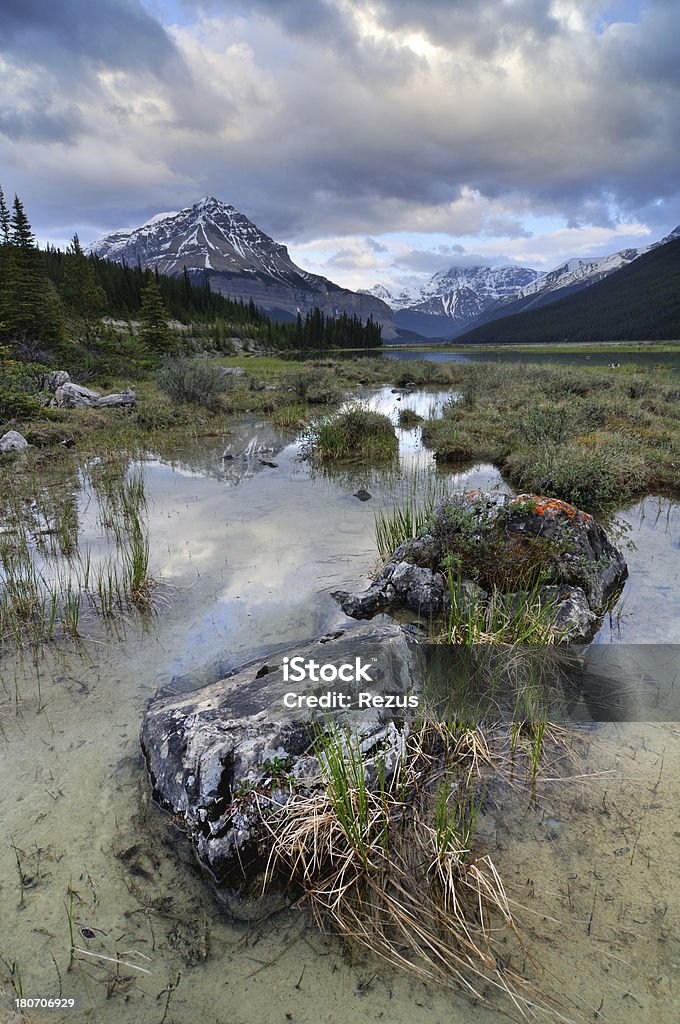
{"x":317,"y":385}
{"x":409,"y":418}
{"x":355,"y":433}
{"x":292,"y":415}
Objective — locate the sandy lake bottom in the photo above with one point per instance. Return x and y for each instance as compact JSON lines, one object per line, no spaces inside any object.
{"x":247,"y":556}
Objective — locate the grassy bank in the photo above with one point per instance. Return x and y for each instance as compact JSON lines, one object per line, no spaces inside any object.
{"x":594,"y":438}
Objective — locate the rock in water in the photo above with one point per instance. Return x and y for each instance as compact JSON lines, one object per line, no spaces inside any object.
{"x":581,"y":569}
{"x":207,"y":750}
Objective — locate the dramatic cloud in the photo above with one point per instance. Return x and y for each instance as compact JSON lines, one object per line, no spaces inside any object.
{"x":508,"y":127}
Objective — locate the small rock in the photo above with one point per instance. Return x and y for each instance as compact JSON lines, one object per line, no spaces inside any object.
{"x":12,"y":441}
{"x":121,"y":399}
{"x":55,"y":379}
{"x":362,"y":495}
{"x":272,"y":465}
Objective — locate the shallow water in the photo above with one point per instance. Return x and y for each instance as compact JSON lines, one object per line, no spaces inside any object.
{"x":248,"y":555}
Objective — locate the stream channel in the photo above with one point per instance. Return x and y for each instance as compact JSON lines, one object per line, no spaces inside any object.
{"x":247,"y":555}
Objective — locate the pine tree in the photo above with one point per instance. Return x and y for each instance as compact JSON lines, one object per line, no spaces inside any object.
{"x":4,"y":220}
{"x":30,"y":317}
{"x":80,"y":292}
{"x":154,"y":328}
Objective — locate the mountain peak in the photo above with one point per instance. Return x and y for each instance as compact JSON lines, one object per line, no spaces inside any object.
{"x":213,"y":238}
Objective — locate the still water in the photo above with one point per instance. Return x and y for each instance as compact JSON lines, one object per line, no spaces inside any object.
{"x":247,"y":555}
{"x":578,"y":357}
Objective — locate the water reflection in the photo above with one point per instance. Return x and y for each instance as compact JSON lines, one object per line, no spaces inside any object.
{"x":669,"y":358}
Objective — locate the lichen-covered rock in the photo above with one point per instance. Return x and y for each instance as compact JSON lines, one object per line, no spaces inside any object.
{"x":209,"y":751}
{"x":501,"y":541}
{"x":583,"y":554}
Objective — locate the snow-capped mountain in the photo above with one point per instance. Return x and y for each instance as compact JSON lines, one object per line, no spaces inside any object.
{"x":452,"y":299}
{"x":566,"y":279}
{"x":458,"y":299}
{"x":241,"y":261}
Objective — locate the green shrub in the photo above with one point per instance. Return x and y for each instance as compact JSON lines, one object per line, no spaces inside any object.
{"x":20,"y":389}
{"x":193,"y":382}
{"x":316,"y":385}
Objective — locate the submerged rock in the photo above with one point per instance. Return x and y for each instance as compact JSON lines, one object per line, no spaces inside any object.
{"x":501,"y":538}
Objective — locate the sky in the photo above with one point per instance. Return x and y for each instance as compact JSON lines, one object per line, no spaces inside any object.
{"x":381,"y":140}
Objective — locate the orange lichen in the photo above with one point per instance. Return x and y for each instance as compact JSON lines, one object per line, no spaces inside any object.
{"x":549,"y":508}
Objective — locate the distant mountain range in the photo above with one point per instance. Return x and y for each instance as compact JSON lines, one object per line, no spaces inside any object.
{"x":453,"y":299}
{"x":638,"y":302}
{"x":240,"y":261}
{"x":212,"y":238}
{"x":460,"y":299}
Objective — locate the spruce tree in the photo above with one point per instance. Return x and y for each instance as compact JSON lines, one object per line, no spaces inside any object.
{"x":30,"y":317}
{"x":80,"y":292}
{"x":154,"y":328}
{"x":4,"y":220}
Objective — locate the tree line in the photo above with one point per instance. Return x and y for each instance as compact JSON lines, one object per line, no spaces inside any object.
{"x":54,"y":302}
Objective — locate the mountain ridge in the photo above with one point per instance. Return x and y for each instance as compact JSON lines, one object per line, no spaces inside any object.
{"x":638,"y":302}
{"x":460,"y":299}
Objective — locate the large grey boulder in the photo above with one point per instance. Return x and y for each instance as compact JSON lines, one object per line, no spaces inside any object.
{"x":75,"y":396}
{"x":55,"y":379}
{"x":12,"y":441}
{"x":209,"y":751}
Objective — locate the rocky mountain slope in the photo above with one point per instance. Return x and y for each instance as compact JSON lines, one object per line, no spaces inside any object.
{"x":638,"y":302}
{"x":241,"y":262}
{"x":460,"y":299}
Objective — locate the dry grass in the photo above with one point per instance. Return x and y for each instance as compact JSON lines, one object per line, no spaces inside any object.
{"x":391,"y":866}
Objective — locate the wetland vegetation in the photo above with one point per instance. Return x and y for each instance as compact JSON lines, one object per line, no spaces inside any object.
{"x":404,"y":856}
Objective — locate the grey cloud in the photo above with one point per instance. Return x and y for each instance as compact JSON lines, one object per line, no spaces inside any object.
{"x":111,"y":33}
{"x":321,"y":19}
{"x":484,"y":26}
{"x":329,"y":133}
{"x":41,"y":125}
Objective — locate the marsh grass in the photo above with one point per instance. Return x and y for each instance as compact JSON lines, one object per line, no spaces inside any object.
{"x":589,"y":436}
{"x":399,"y":524}
{"x":525,"y":618}
{"x":385,"y":853}
{"x":409,"y":418}
{"x":356,"y":432}
{"x":45,"y":591}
